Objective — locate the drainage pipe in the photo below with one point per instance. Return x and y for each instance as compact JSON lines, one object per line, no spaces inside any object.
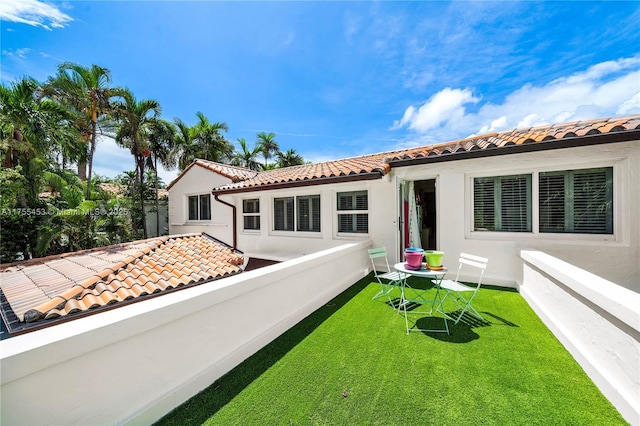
{"x":234,"y":219}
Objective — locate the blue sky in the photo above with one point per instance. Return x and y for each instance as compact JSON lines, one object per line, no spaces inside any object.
{"x":341,"y":79}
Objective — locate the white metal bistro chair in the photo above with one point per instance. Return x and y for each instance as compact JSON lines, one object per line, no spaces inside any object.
{"x":457,"y":290}
{"x":388,"y":279}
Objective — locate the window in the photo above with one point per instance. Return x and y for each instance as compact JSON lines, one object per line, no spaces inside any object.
{"x":251,"y":214}
{"x":577,"y":201}
{"x":308,"y":213}
{"x":283,"y":214}
{"x":502,"y":203}
{"x":200,"y":207}
{"x":353,"y":214}
{"x":305,"y":210}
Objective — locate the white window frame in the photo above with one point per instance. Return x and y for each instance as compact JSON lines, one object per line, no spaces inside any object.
{"x":295,"y":231}
{"x":338,"y":212}
{"x":568,"y":202}
{"x":286,"y":218}
{"x":618,"y":190}
{"x":255,"y":201}
{"x":312,"y":213}
{"x":200,"y":195}
{"x":499,"y":202}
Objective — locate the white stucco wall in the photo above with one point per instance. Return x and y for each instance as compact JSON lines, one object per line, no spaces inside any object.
{"x":596,"y":320}
{"x":198,"y":180}
{"x":134,"y":364}
{"x":278,"y":245}
{"x":614,"y":257}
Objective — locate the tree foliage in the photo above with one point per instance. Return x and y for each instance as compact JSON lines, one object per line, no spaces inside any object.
{"x":48,"y":128}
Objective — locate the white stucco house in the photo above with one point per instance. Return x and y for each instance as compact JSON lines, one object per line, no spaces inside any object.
{"x":556,"y":209}
{"x":571,"y":190}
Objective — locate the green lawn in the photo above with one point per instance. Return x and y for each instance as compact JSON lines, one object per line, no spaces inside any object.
{"x":351,"y":363}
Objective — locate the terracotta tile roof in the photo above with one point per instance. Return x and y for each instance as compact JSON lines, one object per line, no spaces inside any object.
{"x":58,"y":286}
{"x":367,"y":166}
{"x":549,"y":133}
{"x":116,"y":189}
{"x":113,"y":189}
{"x":234,"y":173}
{"x":377,"y":165}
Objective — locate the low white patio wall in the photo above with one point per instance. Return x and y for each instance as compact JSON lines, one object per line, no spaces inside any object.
{"x":136,"y":363}
{"x":596,"y":320}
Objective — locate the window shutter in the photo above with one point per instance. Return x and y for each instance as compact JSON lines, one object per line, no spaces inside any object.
{"x":315,"y":213}
{"x":592,"y":201}
{"x":251,"y":212}
{"x":552,"y":202}
{"x":205,"y":207}
{"x":345,"y":201}
{"x":484,"y":204}
{"x":502,"y":203}
{"x":362,"y":201}
{"x":348,"y":204}
{"x":283,"y":214}
{"x":278,"y":214}
{"x":577,"y":201}
{"x":515,"y":207}
{"x":308,"y":213}
{"x":251,"y":206}
{"x":345,"y":223}
{"x":362,"y":223}
{"x":304,"y":219}
{"x":193,"y":207}
{"x":252,"y":222}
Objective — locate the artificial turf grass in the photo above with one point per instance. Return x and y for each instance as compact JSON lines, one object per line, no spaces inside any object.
{"x":351,"y":362}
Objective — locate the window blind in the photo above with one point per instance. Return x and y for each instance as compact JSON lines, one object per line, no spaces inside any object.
{"x":283,"y":215}
{"x":205,"y":207}
{"x":309,"y":213}
{"x":193,"y":207}
{"x":352,"y":207}
{"x":577,"y":201}
{"x":502,"y":203}
{"x":251,"y":211}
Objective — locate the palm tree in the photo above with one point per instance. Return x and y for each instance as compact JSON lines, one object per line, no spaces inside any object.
{"x":31,"y":128}
{"x":161,"y":141}
{"x":70,"y":228}
{"x":246,"y":157}
{"x":269,"y":145}
{"x":87,"y":92}
{"x":136,"y":120}
{"x":114,"y":223}
{"x":24,"y":122}
{"x":212,"y":145}
{"x":184,"y":148}
{"x":289,"y":158}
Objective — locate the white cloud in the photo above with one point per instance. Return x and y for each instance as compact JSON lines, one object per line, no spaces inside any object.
{"x":111,"y":160}
{"x":530,"y":120}
{"x":630,"y":106}
{"x":20,"y":53}
{"x":497,"y":124}
{"x":603,"y":90}
{"x":445,"y":106}
{"x":33,"y":12}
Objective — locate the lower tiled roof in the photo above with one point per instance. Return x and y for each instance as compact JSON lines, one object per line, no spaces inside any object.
{"x":58,"y":286}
